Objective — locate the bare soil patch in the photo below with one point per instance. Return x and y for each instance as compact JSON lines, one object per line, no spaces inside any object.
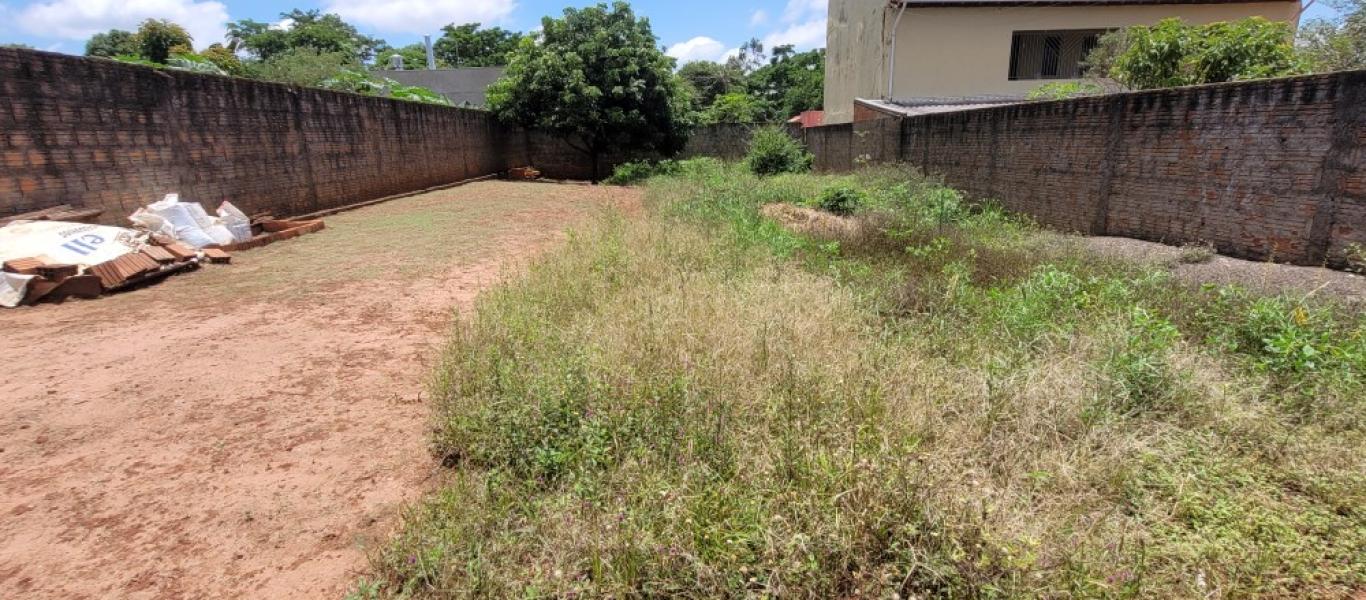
{"x":248,"y":430}
{"x":1264,"y":277}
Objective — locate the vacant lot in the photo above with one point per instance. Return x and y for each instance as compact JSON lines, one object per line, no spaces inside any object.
{"x":244,"y":431}
{"x":922,"y":399}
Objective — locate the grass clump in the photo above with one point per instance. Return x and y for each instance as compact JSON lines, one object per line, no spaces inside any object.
{"x":941,"y":402}
{"x":773,"y":151}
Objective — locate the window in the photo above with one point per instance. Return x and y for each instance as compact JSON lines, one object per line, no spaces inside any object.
{"x":1050,"y":54}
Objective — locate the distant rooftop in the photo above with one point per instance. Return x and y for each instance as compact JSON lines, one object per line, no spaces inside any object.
{"x":1012,"y":3}
{"x":911,"y":107}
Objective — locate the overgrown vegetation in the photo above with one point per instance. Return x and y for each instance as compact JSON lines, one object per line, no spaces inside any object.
{"x":1175,"y":53}
{"x":633,"y":172}
{"x":773,"y":151}
{"x":926,"y":398}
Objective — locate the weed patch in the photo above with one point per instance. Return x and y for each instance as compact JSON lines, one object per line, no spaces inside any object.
{"x":938,"y":400}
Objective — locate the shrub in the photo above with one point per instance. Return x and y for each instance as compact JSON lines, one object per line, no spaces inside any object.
{"x":773,"y":151}
{"x":842,"y":199}
{"x":1173,"y":53}
{"x":628,"y":173}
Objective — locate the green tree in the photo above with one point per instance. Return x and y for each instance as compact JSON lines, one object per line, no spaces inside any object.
{"x":597,"y":79}
{"x":735,"y":107}
{"x":1173,"y":53}
{"x":304,"y":66}
{"x":225,"y":59}
{"x":469,"y":46}
{"x":749,"y":57}
{"x":1336,"y":45}
{"x":311,"y":29}
{"x":791,"y":82}
{"x":157,"y":39}
{"x":708,"y":80}
{"x":111,"y":43}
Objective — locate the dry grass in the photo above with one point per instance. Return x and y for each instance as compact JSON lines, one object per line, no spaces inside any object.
{"x":705,"y":404}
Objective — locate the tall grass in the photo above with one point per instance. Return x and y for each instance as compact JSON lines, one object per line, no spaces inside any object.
{"x":935,"y":401}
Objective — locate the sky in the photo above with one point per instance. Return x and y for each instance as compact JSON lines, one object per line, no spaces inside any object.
{"x":690,"y":29}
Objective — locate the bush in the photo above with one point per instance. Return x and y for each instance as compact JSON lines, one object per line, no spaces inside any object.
{"x":1173,"y":53}
{"x":628,"y":173}
{"x":842,"y":199}
{"x":773,"y":151}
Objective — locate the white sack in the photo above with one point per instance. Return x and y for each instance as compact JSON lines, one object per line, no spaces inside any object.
{"x":236,"y":221}
{"x":62,"y":242}
{"x":13,"y":286}
{"x":211,"y":225}
{"x":183,"y":223}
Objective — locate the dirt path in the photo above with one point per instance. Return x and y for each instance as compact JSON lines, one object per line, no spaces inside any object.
{"x":246,"y":431}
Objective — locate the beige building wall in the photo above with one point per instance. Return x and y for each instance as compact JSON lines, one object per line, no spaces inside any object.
{"x":855,"y":58}
{"x":959,"y":51}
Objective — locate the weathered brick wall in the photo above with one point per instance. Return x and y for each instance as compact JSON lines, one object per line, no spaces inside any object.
{"x":1271,"y":169}
{"x":729,"y":141}
{"x":96,"y":133}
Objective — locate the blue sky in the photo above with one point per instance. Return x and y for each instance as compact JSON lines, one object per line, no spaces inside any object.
{"x":691,"y":29}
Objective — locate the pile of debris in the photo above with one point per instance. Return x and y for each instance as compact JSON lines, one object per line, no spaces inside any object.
{"x":524,"y":173}
{"x":47,"y":260}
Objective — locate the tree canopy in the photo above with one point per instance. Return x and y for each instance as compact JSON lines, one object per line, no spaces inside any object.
{"x":303,"y":29}
{"x":111,"y":43}
{"x":596,"y":78}
{"x":157,"y":39}
{"x":791,"y":82}
{"x":756,"y":86}
{"x":1337,"y":45}
{"x":707,"y":81}
{"x":470,"y":46}
{"x":1174,"y":53}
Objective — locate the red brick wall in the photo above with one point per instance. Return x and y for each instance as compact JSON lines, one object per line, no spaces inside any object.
{"x":1272,"y":169}
{"x":100,"y":133}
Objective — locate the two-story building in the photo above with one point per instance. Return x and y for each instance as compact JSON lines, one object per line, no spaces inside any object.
{"x":942,"y":53}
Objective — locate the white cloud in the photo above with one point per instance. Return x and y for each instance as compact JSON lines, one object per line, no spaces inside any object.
{"x":419,"y":16}
{"x":284,"y":24}
{"x":80,"y":19}
{"x":758,"y":17}
{"x":698,"y":48}
{"x":807,"y":35}
{"x":804,"y":10}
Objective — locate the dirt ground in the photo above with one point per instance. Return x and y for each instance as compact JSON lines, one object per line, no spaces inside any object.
{"x":249,"y":430}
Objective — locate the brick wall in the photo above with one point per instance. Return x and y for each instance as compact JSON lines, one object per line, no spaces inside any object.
{"x":97,"y":133}
{"x":1272,"y":169}
{"x":728,"y":141}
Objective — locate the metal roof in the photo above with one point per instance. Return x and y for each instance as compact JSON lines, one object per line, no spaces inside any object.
{"x":1017,"y":3}
{"x":912,"y":107}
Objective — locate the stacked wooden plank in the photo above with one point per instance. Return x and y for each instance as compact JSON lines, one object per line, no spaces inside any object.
{"x":57,"y":282}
